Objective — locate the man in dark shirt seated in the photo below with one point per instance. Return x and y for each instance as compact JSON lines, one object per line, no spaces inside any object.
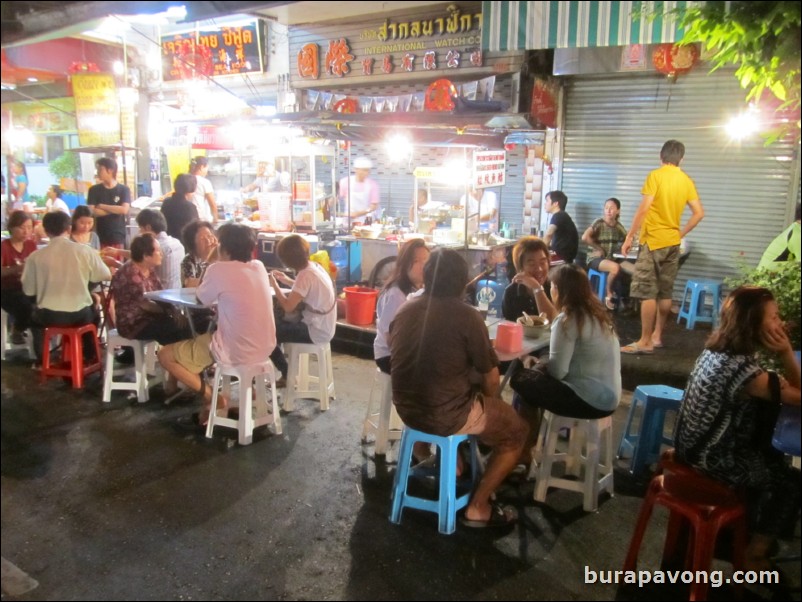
{"x":439,"y":347}
{"x":561,"y":235}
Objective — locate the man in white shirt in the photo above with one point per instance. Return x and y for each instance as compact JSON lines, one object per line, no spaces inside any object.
{"x":59,"y":276}
{"x":204,"y":193}
{"x":246,"y":334}
{"x":482,"y":209}
{"x":151,"y":221}
{"x":359,"y":194}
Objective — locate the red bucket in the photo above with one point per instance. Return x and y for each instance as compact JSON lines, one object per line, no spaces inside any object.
{"x":360,"y":305}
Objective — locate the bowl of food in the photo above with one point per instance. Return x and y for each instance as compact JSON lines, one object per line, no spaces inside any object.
{"x":534,"y":326}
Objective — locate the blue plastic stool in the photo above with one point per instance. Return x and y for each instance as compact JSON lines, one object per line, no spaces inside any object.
{"x":693,"y":308}
{"x":601,"y":287}
{"x":448,"y":503}
{"x":644,"y":446}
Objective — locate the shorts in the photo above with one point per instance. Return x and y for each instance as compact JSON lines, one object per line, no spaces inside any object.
{"x":495,"y":423}
{"x":194,"y":354}
{"x":655,"y":272}
{"x":594,"y":263}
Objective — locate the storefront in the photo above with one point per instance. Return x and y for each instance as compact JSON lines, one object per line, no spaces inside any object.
{"x":618,"y":109}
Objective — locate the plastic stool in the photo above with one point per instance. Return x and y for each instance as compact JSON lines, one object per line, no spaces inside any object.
{"x":300,"y":384}
{"x":696,"y":501}
{"x":448,"y":503}
{"x":8,"y":346}
{"x":601,"y":286}
{"x":693,"y":302}
{"x":263,"y":375}
{"x":72,"y":358}
{"x":144,"y":364}
{"x":597,"y":459}
{"x":382,"y":421}
{"x":644,"y":446}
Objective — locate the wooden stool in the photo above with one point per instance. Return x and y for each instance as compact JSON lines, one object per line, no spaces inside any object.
{"x":72,"y":358}
{"x":694,"y":500}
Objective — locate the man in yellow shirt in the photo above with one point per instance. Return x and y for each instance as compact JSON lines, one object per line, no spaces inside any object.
{"x":666,"y":193}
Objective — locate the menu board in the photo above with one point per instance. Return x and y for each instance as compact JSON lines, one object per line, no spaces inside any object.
{"x":209,"y":52}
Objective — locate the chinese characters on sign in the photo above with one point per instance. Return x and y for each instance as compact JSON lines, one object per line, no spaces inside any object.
{"x":439,"y":43}
{"x":489,"y":168}
{"x":211,"y":52}
{"x":337,"y":57}
{"x":308,"y":65}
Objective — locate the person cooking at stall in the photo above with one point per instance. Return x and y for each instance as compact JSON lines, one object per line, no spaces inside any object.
{"x":482,"y":203}
{"x":364,"y":191}
{"x":424,"y":204}
{"x":267,"y":179}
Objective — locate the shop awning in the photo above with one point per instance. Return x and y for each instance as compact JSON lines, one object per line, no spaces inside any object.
{"x":481,"y":130}
{"x":536,"y":25}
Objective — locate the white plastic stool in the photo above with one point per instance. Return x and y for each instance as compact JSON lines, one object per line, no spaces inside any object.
{"x":597,"y":459}
{"x":250,"y":416}
{"x":381,"y":419}
{"x":8,"y":346}
{"x":144,"y":365}
{"x":300,"y":384}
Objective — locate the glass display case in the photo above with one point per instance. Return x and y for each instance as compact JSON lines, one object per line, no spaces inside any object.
{"x":287,"y":186}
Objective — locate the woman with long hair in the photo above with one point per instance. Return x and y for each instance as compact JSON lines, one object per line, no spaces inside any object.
{"x":15,"y":250}
{"x":729,"y":411}
{"x":179,"y":209}
{"x":204,"y":193}
{"x":82,"y":223}
{"x":582,"y":377}
{"x":407,"y":278}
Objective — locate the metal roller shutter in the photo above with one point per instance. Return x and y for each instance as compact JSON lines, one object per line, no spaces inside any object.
{"x":615,"y":126}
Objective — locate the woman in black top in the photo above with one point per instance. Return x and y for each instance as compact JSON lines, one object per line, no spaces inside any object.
{"x":530,"y":289}
{"x":179,"y":209}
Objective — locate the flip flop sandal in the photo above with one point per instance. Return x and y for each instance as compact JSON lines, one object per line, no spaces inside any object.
{"x":500,"y":516}
{"x":635,"y":349}
{"x":609,"y":303}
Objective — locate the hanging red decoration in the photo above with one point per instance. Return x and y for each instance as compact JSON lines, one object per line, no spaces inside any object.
{"x":346,"y":105}
{"x":82,"y":67}
{"x":194,"y":61}
{"x":673,"y":59}
{"x":440,"y":96}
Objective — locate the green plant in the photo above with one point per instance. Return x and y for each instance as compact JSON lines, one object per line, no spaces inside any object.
{"x":783,"y":280}
{"x":68,"y":165}
{"x":762,"y":39}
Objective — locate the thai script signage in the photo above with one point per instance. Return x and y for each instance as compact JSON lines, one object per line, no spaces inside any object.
{"x":97,"y":109}
{"x":450,"y":40}
{"x":210,"y":52}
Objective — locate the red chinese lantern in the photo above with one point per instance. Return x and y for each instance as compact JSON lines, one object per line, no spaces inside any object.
{"x":346,"y":105}
{"x":440,"y":96}
{"x":673,"y":59}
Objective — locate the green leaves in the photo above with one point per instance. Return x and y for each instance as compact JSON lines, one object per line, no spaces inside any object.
{"x":761,"y":39}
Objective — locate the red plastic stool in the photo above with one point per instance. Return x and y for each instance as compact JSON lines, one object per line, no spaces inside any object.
{"x":72,"y":357}
{"x":698,"y":502}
